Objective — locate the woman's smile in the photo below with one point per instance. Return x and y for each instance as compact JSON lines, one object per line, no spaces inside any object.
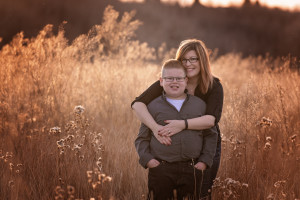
{"x":192,"y":67}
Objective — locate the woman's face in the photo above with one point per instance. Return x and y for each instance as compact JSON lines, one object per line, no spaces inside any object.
{"x":190,"y":61}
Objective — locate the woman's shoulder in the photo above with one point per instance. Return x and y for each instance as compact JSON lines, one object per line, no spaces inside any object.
{"x":216,"y":82}
{"x":216,"y":87}
{"x":216,"y":79}
{"x":149,"y":94}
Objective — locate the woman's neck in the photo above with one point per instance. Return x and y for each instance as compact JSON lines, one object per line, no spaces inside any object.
{"x":191,"y":86}
{"x":193,"y":82}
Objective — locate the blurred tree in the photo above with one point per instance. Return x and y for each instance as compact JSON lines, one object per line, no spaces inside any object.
{"x":196,"y":3}
{"x":247,"y":3}
{"x":257,"y":3}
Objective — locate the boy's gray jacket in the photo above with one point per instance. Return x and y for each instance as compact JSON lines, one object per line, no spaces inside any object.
{"x":187,"y":144}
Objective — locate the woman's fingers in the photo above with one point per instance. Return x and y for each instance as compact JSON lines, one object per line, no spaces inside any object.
{"x":166,"y":131}
{"x":172,"y":127}
{"x":163,"y":131}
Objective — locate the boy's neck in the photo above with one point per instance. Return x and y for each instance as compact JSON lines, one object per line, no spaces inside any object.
{"x":181,"y":97}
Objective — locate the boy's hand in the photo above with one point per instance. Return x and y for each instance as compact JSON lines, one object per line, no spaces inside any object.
{"x":172,"y":127}
{"x":200,"y":166}
{"x":153,"y":163}
{"x":166,"y":140}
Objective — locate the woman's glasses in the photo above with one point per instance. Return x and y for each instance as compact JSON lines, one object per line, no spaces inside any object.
{"x":191,"y":60}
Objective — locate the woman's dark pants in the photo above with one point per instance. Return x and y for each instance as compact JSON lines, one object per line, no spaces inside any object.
{"x":211,"y":173}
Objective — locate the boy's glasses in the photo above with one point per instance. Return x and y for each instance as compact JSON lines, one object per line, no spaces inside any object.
{"x":191,"y":60}
{"x":171,"y":79}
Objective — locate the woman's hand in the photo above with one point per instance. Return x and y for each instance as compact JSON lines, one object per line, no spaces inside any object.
{"x":172,"y":127}
{"x":144,"y":116}
{"x":166,"y":140}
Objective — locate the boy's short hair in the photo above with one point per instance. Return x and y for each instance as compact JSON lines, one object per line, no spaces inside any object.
{"x":172,"y":64}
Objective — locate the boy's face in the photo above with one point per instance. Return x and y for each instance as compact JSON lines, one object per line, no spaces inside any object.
{"x":174,"y":88}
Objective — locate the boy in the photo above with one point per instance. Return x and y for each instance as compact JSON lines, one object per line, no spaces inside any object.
{"x":172,"y":167}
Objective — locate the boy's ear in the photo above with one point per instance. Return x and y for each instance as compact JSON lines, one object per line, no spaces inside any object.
{"x":161,"y":81}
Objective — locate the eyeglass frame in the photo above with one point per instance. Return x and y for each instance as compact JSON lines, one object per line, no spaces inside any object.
{"x":172,"y":78}
{"x":191,"y":60}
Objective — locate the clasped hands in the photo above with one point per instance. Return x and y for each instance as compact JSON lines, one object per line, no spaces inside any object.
{"x":163,"y":133}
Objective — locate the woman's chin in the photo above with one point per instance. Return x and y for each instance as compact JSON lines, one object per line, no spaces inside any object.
{"x":192,"y":76}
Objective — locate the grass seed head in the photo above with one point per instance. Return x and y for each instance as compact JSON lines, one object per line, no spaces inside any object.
{"x":70,"y":189}
{"x":11,"y":183}
{"x":55,"y":130}
{"x":279,"y":184}
{"x":265,"y":122}
{"x":267,"y":146}
{"x":60,"y":143}
{"x":293,"y":138}
{"x":270,"y":196}
{"x":268,"y":139}
{"x":79,"y":109}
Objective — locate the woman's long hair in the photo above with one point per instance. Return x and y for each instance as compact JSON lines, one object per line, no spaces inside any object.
{"x":205,"y":77}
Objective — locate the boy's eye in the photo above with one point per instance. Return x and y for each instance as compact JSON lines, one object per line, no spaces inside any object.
{"x":171,"y":79}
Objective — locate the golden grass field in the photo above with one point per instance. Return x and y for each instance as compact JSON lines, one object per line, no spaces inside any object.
{"x":67,"y":130}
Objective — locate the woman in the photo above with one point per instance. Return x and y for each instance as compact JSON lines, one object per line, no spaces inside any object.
{"x":194,"y":56}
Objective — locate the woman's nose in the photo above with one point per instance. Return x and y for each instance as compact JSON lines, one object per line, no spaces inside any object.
{"x":187,"y":63}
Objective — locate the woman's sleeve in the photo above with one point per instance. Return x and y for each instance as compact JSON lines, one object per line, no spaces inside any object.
{"x":214,"y":103}
{"x":154,"y":91}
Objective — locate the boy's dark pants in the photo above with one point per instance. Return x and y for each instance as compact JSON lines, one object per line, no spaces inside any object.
{"x":179,"y":176}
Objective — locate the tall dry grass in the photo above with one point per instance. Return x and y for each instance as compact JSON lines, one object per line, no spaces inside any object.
{"x":49,"y":150}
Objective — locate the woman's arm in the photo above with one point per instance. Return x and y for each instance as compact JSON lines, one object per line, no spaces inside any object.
{"x":201,"y":123}
{"x":145,"y":117}
{"x":154,"y":91}
{"x":175,"y":126}
{"x":139,"y":105}
{"x":214,"y":100}
{"x":214,"y":104}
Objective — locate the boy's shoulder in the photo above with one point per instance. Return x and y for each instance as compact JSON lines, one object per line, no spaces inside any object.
{"x":157,"y":100}
{"x":195,"y":99}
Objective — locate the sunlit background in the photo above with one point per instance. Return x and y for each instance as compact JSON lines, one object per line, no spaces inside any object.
{"x":252,"y":27}
{"x":283,"y":4}
{"x":97,"y":55}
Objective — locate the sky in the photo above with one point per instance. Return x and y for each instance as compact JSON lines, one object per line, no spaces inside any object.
{"x":284,"y":4}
